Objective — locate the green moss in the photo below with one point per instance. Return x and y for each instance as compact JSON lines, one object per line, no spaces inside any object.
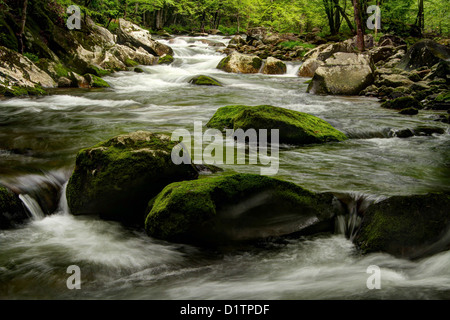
{"x":257,"y":63}
{"x":295,"y":127}
{"x":131,"y":63}
{"x":292,"y":44}
{"x":186,"y":210}
{"x":99,"y":72}
{"x":402,"y":103}
{"x":443,"y":97}
{"x":16,"y":91}
{"x":404,"y":225}
{"x":205,"y":81}
{"x":166,"y":59}
{"x":96,"y":82}
{"x":31,"y":56}
{"x":223,"y":62}
{"x":115,"y":178}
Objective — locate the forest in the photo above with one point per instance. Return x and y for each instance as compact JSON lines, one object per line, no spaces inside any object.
{"x":331,"y":17}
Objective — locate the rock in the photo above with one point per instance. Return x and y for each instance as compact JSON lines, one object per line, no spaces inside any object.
{"x":205,"y":81}
{"x":138,"y":70}
{"x":382,"y":53}
{"x":393,"y":80}
{"x":237,"y":40}
{"x":166,"y":59}
{"x":64,"y":82}
{"x":424,"y":53}
{"x":258,"y":33}
{"x":96,"y":82}
{"x":406,"y":226}
{"x":356,"y":69}
{"x":240,"y":63}
{"x":440,"y":70}
{"x":17,"y":70}
{"x":409,"y":111}
{"x":234,"y":208}
{"x":116,"y":178}
{"x":12,"y":211}
{"x":136,"y":36}
{"x":295,"y":127}
{"x":391,"y":40}
{"x":274,"y":66}
{"x":402,"y":103}
{"x":309,"y":67}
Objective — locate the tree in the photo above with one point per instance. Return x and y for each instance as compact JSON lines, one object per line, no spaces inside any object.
{"x":420,"y":20}
{"x":23,"y":21}
{"x":359,"y":25}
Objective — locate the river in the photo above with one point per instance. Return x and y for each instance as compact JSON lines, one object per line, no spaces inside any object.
{"x":40,"y":136}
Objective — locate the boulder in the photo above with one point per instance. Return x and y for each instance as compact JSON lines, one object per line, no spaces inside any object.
{"x":407,"y":226}
{"x":402,"y":103}
{"x":391,"y":40}
{"x":136,"y":36}
{"x":274,"y":66}
{"x":240,"y":63}
{"x":234,"y":208}
{"x":204,"y":81}
{"x":95,"y":82}
{"x":166,"y":59}
{"x":12,"y":211}
{"x":116,"y":178}
{"x":343,"y":74}
{"x":424,"y":53}
{"x":309,"y":67}
{"x":295,"y":127}
{"x":18,"y":70}
{"x":382,"y":53}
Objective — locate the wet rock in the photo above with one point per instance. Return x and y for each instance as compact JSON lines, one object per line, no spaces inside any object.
{"x":234,"y":208}
{"x":295,"y":127}
{"x":240,"y":63}
{"x":409,"y":111}
{"x":115,"y":178}
{"x":402,"y":103}
{"x":166,"y":59}
{"x":407,"y":226}
{"x":12,"y":211}
{"x":274,"y":66}
{"x":205,"y":81}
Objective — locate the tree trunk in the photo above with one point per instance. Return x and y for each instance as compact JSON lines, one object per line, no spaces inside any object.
{"x":23,"y":21}
{"x":420,"y":20}
{"x":359,"y":26}
{"x":347,"y":19}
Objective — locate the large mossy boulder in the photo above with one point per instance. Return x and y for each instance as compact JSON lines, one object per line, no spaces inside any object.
{"x":343,"y":74}
{"x":12,"y":211}
{"x":407,"y":226}
{"x":295,"y":127}
{"x":402,"y":103}
{"x":425,"y":53}
{"x":240,"y":63}
{"x":115,"y":179}
{"x":239,"y":207}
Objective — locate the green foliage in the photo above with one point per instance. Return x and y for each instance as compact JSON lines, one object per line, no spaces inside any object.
{"x":31,"y":56}
{"x":293,"y":44}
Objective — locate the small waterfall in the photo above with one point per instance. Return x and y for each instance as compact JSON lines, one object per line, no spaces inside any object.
{"x":32,"y":206}
{"x":63,"y":207}
{"x":353,"y":205}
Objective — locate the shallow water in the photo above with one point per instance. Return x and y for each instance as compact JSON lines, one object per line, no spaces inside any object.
{"x":39,"y":139}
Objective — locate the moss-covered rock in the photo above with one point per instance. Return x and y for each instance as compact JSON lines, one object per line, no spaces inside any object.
{"x":116,"y":178}
{"x":12,"y":211}
{"x":96,"y":82}
{"x":166,"y":59}
{"x":406,"y":226}
{"x":409,"y":111}
{"x":295,"y":127}
{"x":402,"y":103}
{"x":274,"y":66}
{"x":237,"y":207}
{"x":205,"y":81}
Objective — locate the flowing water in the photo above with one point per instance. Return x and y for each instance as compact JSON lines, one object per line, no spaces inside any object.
{"x":39,"y":138}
